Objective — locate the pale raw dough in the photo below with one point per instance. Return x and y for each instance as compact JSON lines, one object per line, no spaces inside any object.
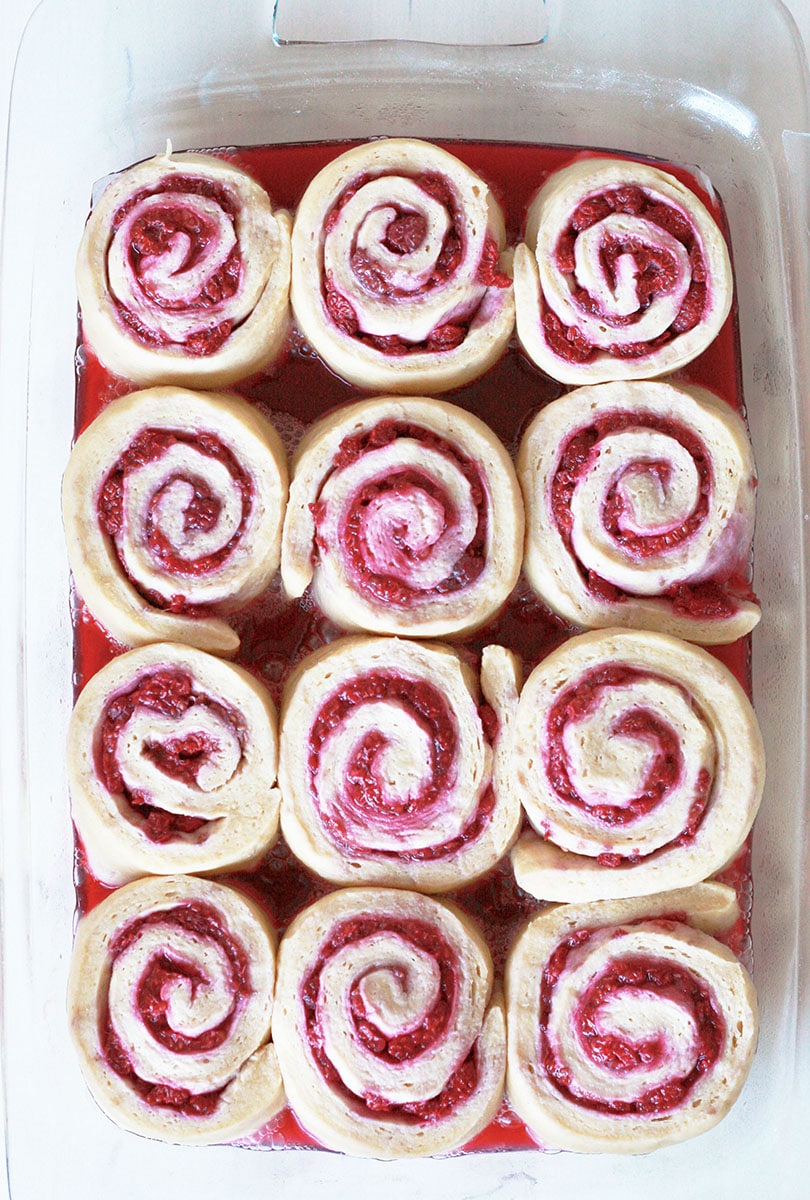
{"x":541,"y":287}
{"x":720,"y":544}
{"x":398,"y":982}
{"x":386,"y":171}
{"x":235,"y":793}
{"x":246,"y":571}
{"x":259,"y":310}
{"x":669,"y":929}
{"x":104,"y":980}
{"x":698,"y":699}
{"x":378,"y":854}
{"x":317,"y":481}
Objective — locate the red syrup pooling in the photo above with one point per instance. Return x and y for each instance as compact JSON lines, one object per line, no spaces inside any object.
{"x":275,"y":635}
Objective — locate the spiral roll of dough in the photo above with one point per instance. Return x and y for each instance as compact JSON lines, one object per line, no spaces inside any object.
{"x":638,"y":760}
{"x":629,"y":1027}
{"x":385,"y":768}
{"x":183,"y":273}
{"x":406,"y":516}
{"x":400,"y":281}
{"x":390,"y":1042}
{"x":624,"y":274}
{"x":639,"y":503}
{"x":170,"y":1002}
{"x":172,"y":758}
{"x":173,"y":503}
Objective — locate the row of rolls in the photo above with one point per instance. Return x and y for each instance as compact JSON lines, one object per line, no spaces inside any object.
{"x":621,"y":1026}
{"x":635,"y":757}
{"x":397,"y":271}
{"x":629,"y":504}
{"x":400,"y":766}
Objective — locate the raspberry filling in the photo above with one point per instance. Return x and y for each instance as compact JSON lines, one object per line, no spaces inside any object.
{"x":367,"y":801}
{"x":664,"y":773}
{"x":201,"y":510}
{"x":707,"y":599}
{"x":643,"y":979}
{"x":151,"y":1003}
{"x":181,"y":257}
{"x":397,"y":500}
{"x":655,"y":270}
{"x":405,"y":233}
{"x":165,"y":692}
{"x":396,"y":1048}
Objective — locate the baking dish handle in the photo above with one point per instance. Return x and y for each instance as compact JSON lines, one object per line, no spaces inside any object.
{"x":485,"y":22}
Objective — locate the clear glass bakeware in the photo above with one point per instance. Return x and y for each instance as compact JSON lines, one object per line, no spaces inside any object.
{"x":103,"y":83}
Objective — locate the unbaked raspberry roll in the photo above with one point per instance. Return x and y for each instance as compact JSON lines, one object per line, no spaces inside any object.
{"x":183,"y":273}
{"x":173,"y":503}
{"x":390,"y":1040}
{"x":624,"y":273}
{"x":170,"y":1003}
{"x":639,"y":502}
{"x":385,"y":768}
{"x":638,"y":760}
{"x":630,"y":1026}
{"x":172,"y":761}
{"x":406,"y":516}
{"x":400,"y":280}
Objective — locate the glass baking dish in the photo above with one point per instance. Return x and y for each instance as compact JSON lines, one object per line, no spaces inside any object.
{"x":103,"y":84}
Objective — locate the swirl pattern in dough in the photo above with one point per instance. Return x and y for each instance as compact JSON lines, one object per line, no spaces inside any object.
{"x":183,"y":273}
{"x":385,"y":768}
{"x":173,"y":503}
{"x":639,"y":505}
{"x":629,"y":1028}
{"x":172,"y":758}
{"x":170,"y":1003}
{"x":406,"y":516}
{"x":399,"y":279}
{"x":638,"y":760}
{"x":389,"y":1040}
{"x":624,"y":274}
